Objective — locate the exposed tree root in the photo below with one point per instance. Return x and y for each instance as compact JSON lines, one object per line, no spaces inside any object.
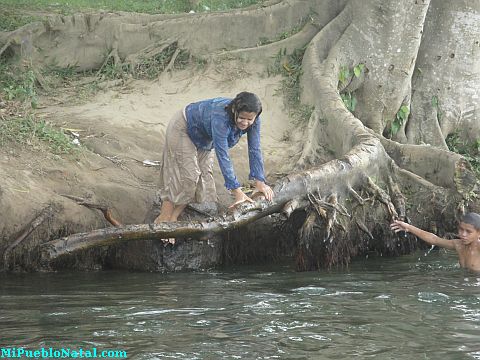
{"x":112,"y":55}
{"x":398,"y":200}
{"x":171,"y":63}
{"x":47,"y":213}
{"x":383,"y":197}
{"x":364,"y":228}
{"x":293,"y":205}
{"x":135,"y":61}
{"x":106,"y":211}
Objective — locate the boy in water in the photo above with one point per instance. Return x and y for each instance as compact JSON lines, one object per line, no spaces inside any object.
{"x":467,"y":245}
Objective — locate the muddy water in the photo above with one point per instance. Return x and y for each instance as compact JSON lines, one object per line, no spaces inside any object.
{"x":414,"y":307}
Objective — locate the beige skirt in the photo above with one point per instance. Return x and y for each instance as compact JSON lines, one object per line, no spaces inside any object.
{"x":186,"y":174}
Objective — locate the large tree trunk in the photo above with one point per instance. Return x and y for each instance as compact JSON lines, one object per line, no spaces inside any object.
{"x":354,"y":173}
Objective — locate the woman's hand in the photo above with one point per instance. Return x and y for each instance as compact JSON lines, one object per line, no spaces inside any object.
{"x":265,"y":189}
{"x":240,"y":197}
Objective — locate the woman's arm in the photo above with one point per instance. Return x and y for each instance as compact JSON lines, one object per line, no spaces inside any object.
{"x":220,"y":144}
{"x":256,"y":161}
{"x":426,"y":236}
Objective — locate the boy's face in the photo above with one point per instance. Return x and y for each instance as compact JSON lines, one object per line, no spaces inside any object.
{"x":467,"y":233}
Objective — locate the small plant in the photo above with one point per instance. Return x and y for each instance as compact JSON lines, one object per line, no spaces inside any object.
{"x":345,"y":77}
{"x":18,"y":85}
{"x":346,"y":74}
{"x":400,"y":117}
{"x":358,"y":69}
{"x":349,"y":100}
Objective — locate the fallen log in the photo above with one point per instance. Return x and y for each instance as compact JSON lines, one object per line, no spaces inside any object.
{"x":244,"y":215}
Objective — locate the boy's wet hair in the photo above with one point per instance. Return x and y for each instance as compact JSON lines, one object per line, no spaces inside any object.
{"x":472,"y":219}
{"x":244,"y":101}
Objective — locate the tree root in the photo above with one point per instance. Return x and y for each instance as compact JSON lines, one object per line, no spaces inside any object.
{"x":355,"y":195}
{"x":364,"y":228}
{"x":112,"y":55}
{"x":398,"y":199}
{"x":107,"y":213}
{"x":172,"y":60}
{"x":293,"y":205}
{"x":309,"y":249}
{"x":43,"y":216}
{"x":383,"y":197}
{"x":134,"y":61}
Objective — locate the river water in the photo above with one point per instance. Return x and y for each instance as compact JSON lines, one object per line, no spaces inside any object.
{"x":413,"y":307}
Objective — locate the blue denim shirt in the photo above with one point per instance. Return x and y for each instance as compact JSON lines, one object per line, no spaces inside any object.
{"x":210,"y":127}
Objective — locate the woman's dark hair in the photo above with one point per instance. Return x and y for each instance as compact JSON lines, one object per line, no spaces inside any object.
{"x":472,"y":219}
{"x":244,"y":101}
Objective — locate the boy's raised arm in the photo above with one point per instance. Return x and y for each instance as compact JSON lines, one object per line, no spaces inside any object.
{"x":426,"y":236}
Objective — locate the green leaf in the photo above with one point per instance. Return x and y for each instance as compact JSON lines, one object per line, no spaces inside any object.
{"x":435,"y":101}
{"x":357,"y":70}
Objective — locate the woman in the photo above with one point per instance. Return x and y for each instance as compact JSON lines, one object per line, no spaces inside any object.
{"x":187,"y":169}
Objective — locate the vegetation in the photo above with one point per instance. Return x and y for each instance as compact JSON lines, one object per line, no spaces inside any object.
{"x":25,"y":129}
{"x":345,"y":77}
{"x":400,"y":117}
{"x":10,"y":18}
{"x":290,"y":67}
{"x":148,"y":67}
{"x":469,"y":150}
{"x":349,"y":100}
{"x":19,"y":88}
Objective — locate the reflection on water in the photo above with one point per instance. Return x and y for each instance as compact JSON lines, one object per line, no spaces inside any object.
{"x":413,"y":307}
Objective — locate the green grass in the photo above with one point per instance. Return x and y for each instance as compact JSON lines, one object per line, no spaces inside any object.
{"x":18,"y":124}
{"x":10,"y":21}
{"x":18,"y":84}
{"x":26,"y":130}
{"x":68,"y":7}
